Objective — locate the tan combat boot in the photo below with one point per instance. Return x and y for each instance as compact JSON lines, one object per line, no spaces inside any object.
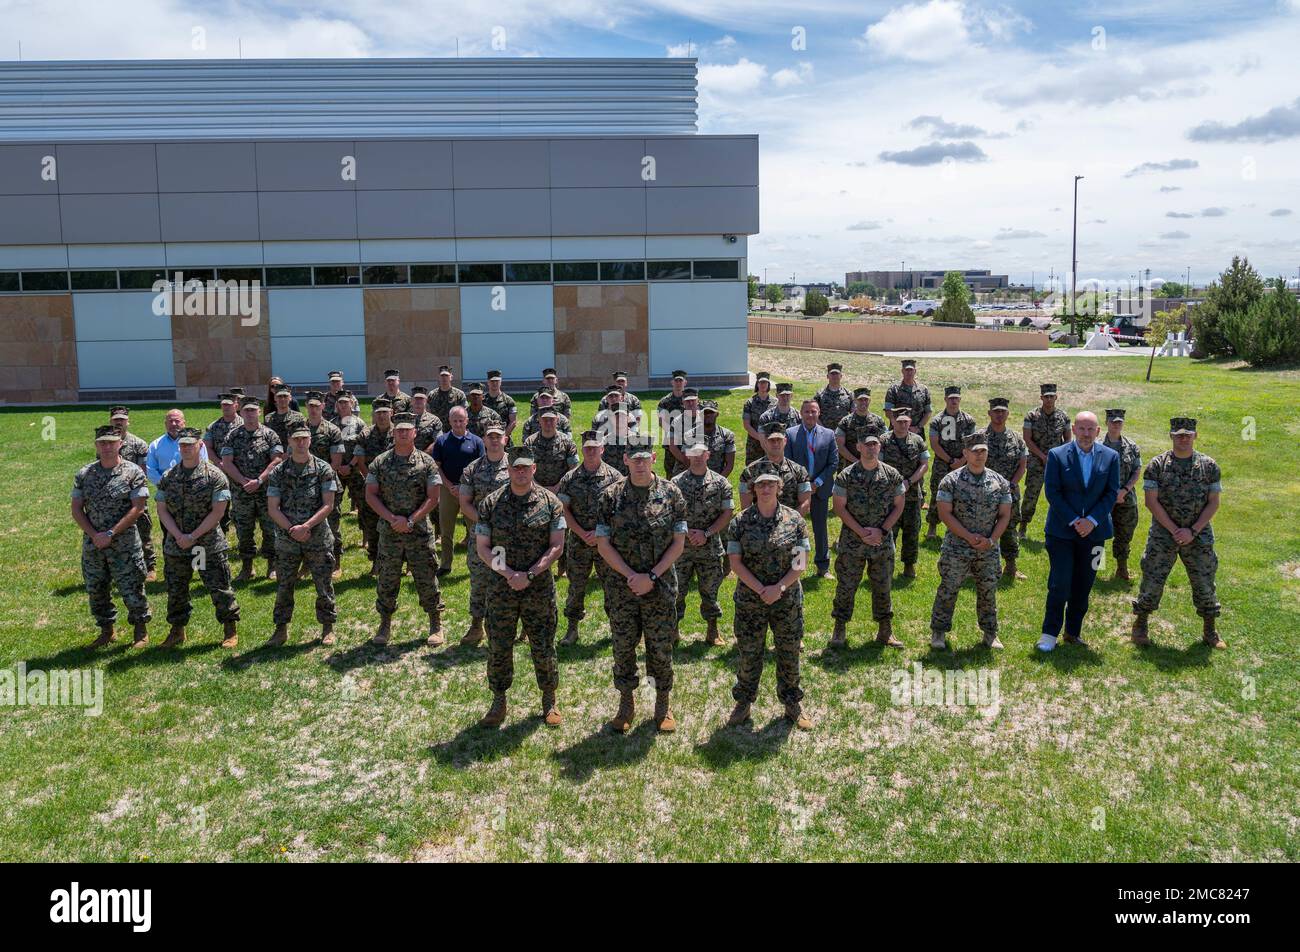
{"x":1210,"y":635}
{"x":141,"y":635}
{"x":232,"y":635}
{"x":885,"y":635}
{"x":385,"y":629}
{"x":991,"y":640}
{"x":106,"y":635}
{"x":739,"y":714}
{"x":571,"y":633}
{"x":1121,"y":571}
{"x":713,"y":636}
{"x":436,"y":638}
{"x":151,"y":575}
{"x":279,"y":637}
{"x":550,"y":713}
{"x":839,"y":637}
{"x":1009,"y":571}
{"x":938,"y":641}
{"x":496,"y":714}
{"x":474,"y":635}
{"x":1024,"y":531}
{"x":246,"y":573}
{"x":932,"y":533}
{"x":175,"y":638}
{"x":795,"y":715}
{"x":327,"y":636}
{"x":1139,"y":634}
{"x":270,"y":569}
{"x":664,"y":719}
{"x":909,"y":570}
{"x":622,"y":719}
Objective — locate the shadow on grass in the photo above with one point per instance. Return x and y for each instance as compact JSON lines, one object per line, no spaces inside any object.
{"x":1066,"y":657}
{"x":727,"y":745}
{"x":693,"y":649}
{"x":367,"y":653}
{"x":962,"y":655}
{"x":583,"y":650}
{"x":604,"y":748}
{"x":1110,"y":586}
{"x":458,"y":655}
{"x":866,"y":651}
{"x":156,"y":655}
{"x":261,"y":654}
{"x":1195,"y":655}
{"x":475,"y":743}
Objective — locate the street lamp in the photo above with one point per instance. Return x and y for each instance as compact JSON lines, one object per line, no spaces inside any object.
{"x":1074,"y":259}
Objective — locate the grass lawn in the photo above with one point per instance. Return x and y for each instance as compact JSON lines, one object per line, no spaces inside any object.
{"x":354,"y":753}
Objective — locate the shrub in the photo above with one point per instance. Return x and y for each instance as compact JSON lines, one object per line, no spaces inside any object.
{"x":1238,"y":287}
{"x":1268,"y":331}
{"x":815,"y":304}
{"x":955,"y":307}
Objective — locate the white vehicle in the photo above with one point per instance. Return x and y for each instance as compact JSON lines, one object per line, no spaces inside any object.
{"x":924,"y":308}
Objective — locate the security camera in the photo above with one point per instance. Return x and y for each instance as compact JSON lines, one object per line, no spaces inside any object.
{"x":730,"y":239}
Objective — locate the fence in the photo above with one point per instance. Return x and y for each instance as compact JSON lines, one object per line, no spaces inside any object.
{"x":886,"y":334}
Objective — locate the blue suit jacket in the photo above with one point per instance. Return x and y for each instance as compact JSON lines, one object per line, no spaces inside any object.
{"x":825,"y":456}
{"x":1068,"y":497}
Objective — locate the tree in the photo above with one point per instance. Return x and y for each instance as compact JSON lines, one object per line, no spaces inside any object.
{"x":1164,"y":323}
{"x":774,"y":294}
{"x":1238,"y":287}
{"x":955,"y":308}
{"x":753,"y":288}
{"x":862,"y":288}
{"x":1172,"y":289}
{"x":815,"y":304}
{"x":1267,"y":332}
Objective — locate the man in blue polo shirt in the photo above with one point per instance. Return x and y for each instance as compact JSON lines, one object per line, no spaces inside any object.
{"x":453,"y":451}
{"x":165,"y":452}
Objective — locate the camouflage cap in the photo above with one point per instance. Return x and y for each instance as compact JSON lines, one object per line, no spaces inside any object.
{"x":1181,"y":424}
{"x":474,"y":388}
{"x":591,"y":438}
{"x":689,"y":392}
{"x":315,"y":396}
{"x":765,"y":471}
{"x":861,"y":392}
{"x":619,"y":375}
{"x":1115,"y":416}
{"x":403,"y":421}
{"x":237,"y":391}
{"x":695,"y":449}
{"x":639,"y":445}
{"x":494,"y":375}
{"x":903,"y":413}
{"x":392,"y":374}
{"x":548,"y":372}
{"x":382,"y":403}
{"x":544,"y":394}
{"x":709,"y":406}
{"x":520,"y":455}
{"x":952,"y":391}
{"x":1047,"y":389}
{"x":774,"y":427}
{"x":248,"y":401}
{"x":494,"y":428}
{"x":975,"y":440}
{"x":909,"y":362}
{"x":999,"y":403}
{"x":226,"y":398}
{"x":297,"y":429}
{"x":679,"y":374}
{"x":345,"y":395}
{"x":334,"y":375}
{"x":785,"y":388}
{"x":835,"y":368}
{"x":119,"y":413}
{"x":106,"y":433}
{"x":189,"y":434}
{"x":868,"y":436}
{"x":614,"y":388}
{"x":283,"y":388}
{"x":444,"y":369}
{"x":545,"y":412}
{"x":419,"y":390}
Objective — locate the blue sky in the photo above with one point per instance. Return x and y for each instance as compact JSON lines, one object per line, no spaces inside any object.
{"x":942,"y":133}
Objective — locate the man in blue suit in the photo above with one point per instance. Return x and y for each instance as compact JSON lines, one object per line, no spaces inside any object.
{"x":812,"y":446}
{"x":1081,"y":483}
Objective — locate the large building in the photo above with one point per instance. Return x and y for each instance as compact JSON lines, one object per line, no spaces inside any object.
{"x":482,"y":213}
{"x":925,"y":280}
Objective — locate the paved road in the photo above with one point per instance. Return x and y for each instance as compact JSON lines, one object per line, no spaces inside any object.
{"x":1142,"y":352}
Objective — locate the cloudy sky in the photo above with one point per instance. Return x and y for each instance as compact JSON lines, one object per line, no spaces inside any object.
{"x":942,"y":133}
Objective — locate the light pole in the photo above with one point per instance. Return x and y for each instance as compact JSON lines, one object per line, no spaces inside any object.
{"x":1074,"y":261}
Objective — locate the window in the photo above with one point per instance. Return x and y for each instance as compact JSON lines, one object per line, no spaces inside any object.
{"x":479,"y":273}
{"x":140,"y":280}
{"x":668,"y":270}
{"x":540,"y":271}
{"x":191,"y":274}
{"x":433,"y":274}
{"x":622,"y":271}
{"x":94,"y":280}
{"x":9,"y":281}
{"x":384,"y":274}
{"x":288,"y":277}
{"x":576,"y":271}
{"x":335,"y":275}
{"x":45,"y":281}
{"x":239,"y":274}
{"x":717,"y":269}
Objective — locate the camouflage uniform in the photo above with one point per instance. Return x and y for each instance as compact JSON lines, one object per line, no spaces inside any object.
{"x":917,"y":397}
{"x":640,"y":523}
{"x":136,"y":450}
{"x":794,"y":480}
{"x":563,"y":404}
{"x":479,"y":479}
{"x":427,"y":430}
{"x":522,"y":527}
{"x":835,"y":405}
{"x":612,"y":455}
{"x":400,"y":401}
{"x":707,"y":497}
{"x":251,"y":451}
{"x":370,"y":444}
{"x":869,"y":497}
{"x":481,"y":419}
{"x":1006,"y":450}
{"x":906,"y":455}
{"x":106,"y":496}
{"x":720,"y":442}
{"x":326,"y":440}
{"x":404,"y":483}
{"x":751,"y":413}
{"x":216,"y":434}
{"x":854,"y":425}
{"x":669,"y":410}
{"x":580,"y":490}
{"x":949,"y":431}
{"x":279,"y":422}
{"x":1049,"y":431}
{"x":554,"y":456}
{"x":1124,"y":517}
{"x":441,"y":401}
{"x":189,"y":495}
{"x":789,"y":416}
{"x":327,"y":406}
{"x":533,"y":425}
{"x":767,"y":547}
{"x":300,"y":489}
{"x":1183,"y":487}
{"x":350,"y":428}
{"x":975,"y":501}
{"x":502,"y":405}
{"x":630,"y":400}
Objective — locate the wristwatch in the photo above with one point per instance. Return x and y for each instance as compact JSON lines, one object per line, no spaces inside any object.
{"x":783,"y":588}
{"x":653,"y":578}
{"x":409,"y":523}
{"x":531,"y":575}
{"x":109,"y":532}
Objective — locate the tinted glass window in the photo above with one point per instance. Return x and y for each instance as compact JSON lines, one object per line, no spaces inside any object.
{"x":94,"y":280}
{"x":140,"y":280}
{"x":622,"y":271}
{"x":576,"y":271}
{"x":433,"y":274}
{"x":668,"y":270}
{"x":338,"y":275}
{"x":9,"y":281}
{"x":384,"y":274}
{"x":479,"y":273}
{"x":239,"y":274}
{"x":528,"y":272}
{"x":288,"y":277}
{"x":45,"y":280}
{"x":717,"y":269}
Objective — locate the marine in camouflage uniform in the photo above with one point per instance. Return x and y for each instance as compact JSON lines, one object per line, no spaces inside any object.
{"x":981,"y":504}
{"x":374,"y":439}
{"x":913,"y":395}
{"x":534,"y":425}
{"x":249,"y":452}
{"x":835,"y":402}
{"x":559,"y":399}
{"x":1187,"y":488}
{"x":106,"y":496}
{"x":280,"y":420}
{"x":136,"y":450}
{"x":787,"y":415}
{"x":615,"y":436}
{"x":404,"y":481}
{"x":214,"y":436}
{"x":906,"y":453}
{"x":772,"y":548}
{"x":752,"y":412}
{"x":796,"y":484}
{"x":579,"y":492}
{"x":948,"y":430}
{"x":1007,"y":454}
{"x":398,"y":399}
{"x":332,"y":395}
{"x":629,"y":399}
{"x":669,"y":412}
{"x":639,"y":528}
{"x":1048,"y":428}
{"x":189,"y":494}
{"x":1124,"y":517}
{"x":720,"y":441}
{"x":553,"y":455}
{"x":350,"y":427}
{"x":852,"y":426}
{"x":870,"y":496}
{"x":303,"y":488}
{"x":484,"y":416}
{"x":478,"y":480}
{"x":709,"y":505}
{"x":500,"y":403}
{"x":443,"y":398}
{"x":327,"y":445}
{"x":522,"y":528}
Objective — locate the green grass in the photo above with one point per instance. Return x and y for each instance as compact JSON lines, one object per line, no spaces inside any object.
{"x":1176,"y":753}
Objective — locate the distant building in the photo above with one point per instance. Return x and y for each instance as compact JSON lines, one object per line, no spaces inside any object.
{"x":925,"y":280}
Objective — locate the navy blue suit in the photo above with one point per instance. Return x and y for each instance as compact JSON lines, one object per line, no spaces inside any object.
{"x":1074,"y":558}
{"x":825,"y":458}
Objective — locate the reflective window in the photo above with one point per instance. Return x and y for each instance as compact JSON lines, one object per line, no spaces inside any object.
{"x":45,"y":281}
{"x":239,"y":274}
{"x":140,"y":280}
{"x":94,"y":280}
{"x":480,"y":273}
{"x":576,"y":271}
{"x":539,"y":271}
{"x":334,"y":275}
{"x":622,"y":271}
{"x":433,"y":274}
{"x":9,"y":281}
{"x":384,"y":274}
{"x":668,"y":270}
{"x":717,"y":269}
{"x":288,"y":277}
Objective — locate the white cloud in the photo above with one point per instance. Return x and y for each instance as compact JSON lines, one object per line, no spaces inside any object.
{"x":865,"y":226}
{"x":931,"y":32}
{"x":741,"y":78}
{"x":784,"y":78}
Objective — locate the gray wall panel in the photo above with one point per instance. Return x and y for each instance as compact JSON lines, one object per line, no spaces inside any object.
{"x":597,"y":211}
{"x":209,"y":216}
{"x":405,"y":214}
{"x":502,"y":212}
{"x":30,"y":220}
{"x":93,"y":219}
{"x":104,"y":169}
{"x":501,"y":163}
{"x":419,"y":165}
{"x":286,"y":216}
{"x":303,"y":166}
{"x":20,"y":170}
{"x":594,"y":163}
{"x":704,"y":161}
{"x":701,"y":211}
{"x":207,"y":167}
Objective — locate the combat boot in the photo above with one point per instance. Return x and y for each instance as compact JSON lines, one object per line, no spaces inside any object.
{"x":1024,"y":531}
{"x":151,"y":575}
{"x":474,"y":635}
{"x":385,"y":629}
{"x":1121,"y":571}
{"x":550,"y":713}
{"x":327,"y":633}
{"x":839,"y":637}
{"x":270,"y":569}
{"x":739,"y":714}
{"x":571,"y":633}
{"x":279,"y":637}
{"x":885,"y":635}
{"x":232,"y":635}
{"x":1210,"y":636}
{"x":909,"y":570}
{"x":1139,"y":634}
{"x":496,"y":714}
{"x":991,"y":640}
{"x":795,"y":715}
{"x":664,"y":719}
{"x":436,"y":638}
{"x":175,"y":638}
{"x":713,"y":636}
{"x":141,"y":635}
{"x":1009,"y":571}
{"x":106,"y":635}
{"x":938,"y":641}
{"x":246,"y":573}
{"x":932,"y":533}
{"x":622,"y":719}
